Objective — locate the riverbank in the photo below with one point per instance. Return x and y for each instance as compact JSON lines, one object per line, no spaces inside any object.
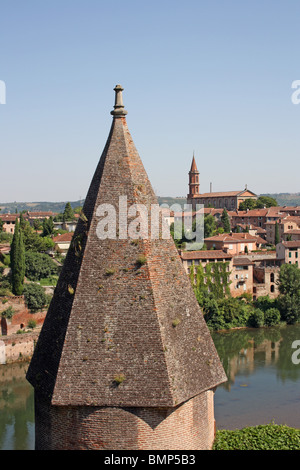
{"x":262,"y":437}
{"x":18,"y":347}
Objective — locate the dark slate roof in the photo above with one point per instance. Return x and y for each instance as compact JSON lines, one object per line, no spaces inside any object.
{"x":111,"y":317}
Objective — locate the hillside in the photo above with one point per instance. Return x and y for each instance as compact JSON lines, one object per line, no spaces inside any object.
{"x":285,"y":199}
{"x":13,"y":207}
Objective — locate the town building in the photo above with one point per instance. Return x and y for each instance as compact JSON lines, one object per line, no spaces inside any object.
{"x":265,"y":278}
{"x":241,"y":276}
{"x":203,"y":257}
{"x":285,"y":226}
{"x":62,"y":242}
{"x":288,"y":252}
{"x":291,"y":235}
{"x":253,"y":217}
{"x":234,"y":243}
{"x":9,"y":220}
{"x":239,"y":269}
{"x":230,"y":200}
{"x":125,"y":360}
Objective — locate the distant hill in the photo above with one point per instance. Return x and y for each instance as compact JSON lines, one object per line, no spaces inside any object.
{"x":283,"y":199}
{"x":13,"y":207}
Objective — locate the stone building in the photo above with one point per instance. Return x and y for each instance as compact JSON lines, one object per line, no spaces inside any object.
{"x":124,"y":359}
{"x":229,"y":200}
{"x":242,"y":276}
{"x":265,"y":279}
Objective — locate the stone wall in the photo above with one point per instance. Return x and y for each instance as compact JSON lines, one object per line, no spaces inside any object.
{"x":17,"y":347}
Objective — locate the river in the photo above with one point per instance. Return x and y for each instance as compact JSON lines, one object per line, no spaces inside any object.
{"x":263,"y":386}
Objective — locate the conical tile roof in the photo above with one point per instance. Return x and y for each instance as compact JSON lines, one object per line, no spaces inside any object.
{"x":124,"y":327}
{"x":194,"y":166}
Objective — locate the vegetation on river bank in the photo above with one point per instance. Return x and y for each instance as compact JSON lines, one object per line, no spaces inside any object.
{"x":223,"y":312}
{"x":262,"y":437}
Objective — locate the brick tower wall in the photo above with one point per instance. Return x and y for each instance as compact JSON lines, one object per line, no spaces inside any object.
{"x":189,"y":426}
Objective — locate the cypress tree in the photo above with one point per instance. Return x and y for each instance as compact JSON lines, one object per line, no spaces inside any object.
{"x":68,"y":213}
{"x":14,"y":244}
{"x":17,"y":261}
{"x":277,"y":237}
{"x":225,"y":221}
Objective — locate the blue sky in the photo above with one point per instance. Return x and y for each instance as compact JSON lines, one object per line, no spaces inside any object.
{"x":212,"y":77}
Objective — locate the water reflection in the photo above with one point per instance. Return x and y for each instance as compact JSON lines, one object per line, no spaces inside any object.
{"x":16,"y":408}
{"x":263,"y":383}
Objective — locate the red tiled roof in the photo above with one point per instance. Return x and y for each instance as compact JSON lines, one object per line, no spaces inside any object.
{"x":223,"y":194}
{"x":292,"y":244}
{"x":65,"y":237}
{"x":232,"y":237}
{"x":251,"y":213}
{"x":40,"y":214}
{"x":205,"y":254}
{"x":194,"y":166}
{"x":9,"y":217}
{"x":241,"y":261}
{"x":236,"y":238}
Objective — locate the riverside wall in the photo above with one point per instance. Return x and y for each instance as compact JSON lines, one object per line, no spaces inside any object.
{"x":18,"y":347}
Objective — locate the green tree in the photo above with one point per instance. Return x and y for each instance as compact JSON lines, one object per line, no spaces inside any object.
{"x":272,"y":317}
{"x":247,"y":204}
{"x":68,"y":213}
{"x":34,"y":242}
{"x":48,"y":227}
{"x":289,"y":288}
{"x":39,"y":266}
{"x":277,"y":237}
{"x":225,"y":221}
{"x":209,"y":226}
{"x":17,"y":261}
{"x":266,"y":201}
{"x":35,"y":297}
{"x":37,"y":225}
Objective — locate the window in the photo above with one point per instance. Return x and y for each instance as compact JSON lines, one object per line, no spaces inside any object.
{"x":272,"y":277}
{"x":290,"y":254}
{"x":272,"y":288}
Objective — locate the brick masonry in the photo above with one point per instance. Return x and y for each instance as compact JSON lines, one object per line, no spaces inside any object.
{"x":112,"y":316}
{"x":185,"y":427}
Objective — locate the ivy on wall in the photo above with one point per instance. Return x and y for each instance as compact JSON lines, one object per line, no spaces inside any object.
{"x":214,"y":279}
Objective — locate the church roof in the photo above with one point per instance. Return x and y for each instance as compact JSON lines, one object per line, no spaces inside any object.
{"x":227,"y":194}
{"x":124,"y":327}
{"x":194,"y":166}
